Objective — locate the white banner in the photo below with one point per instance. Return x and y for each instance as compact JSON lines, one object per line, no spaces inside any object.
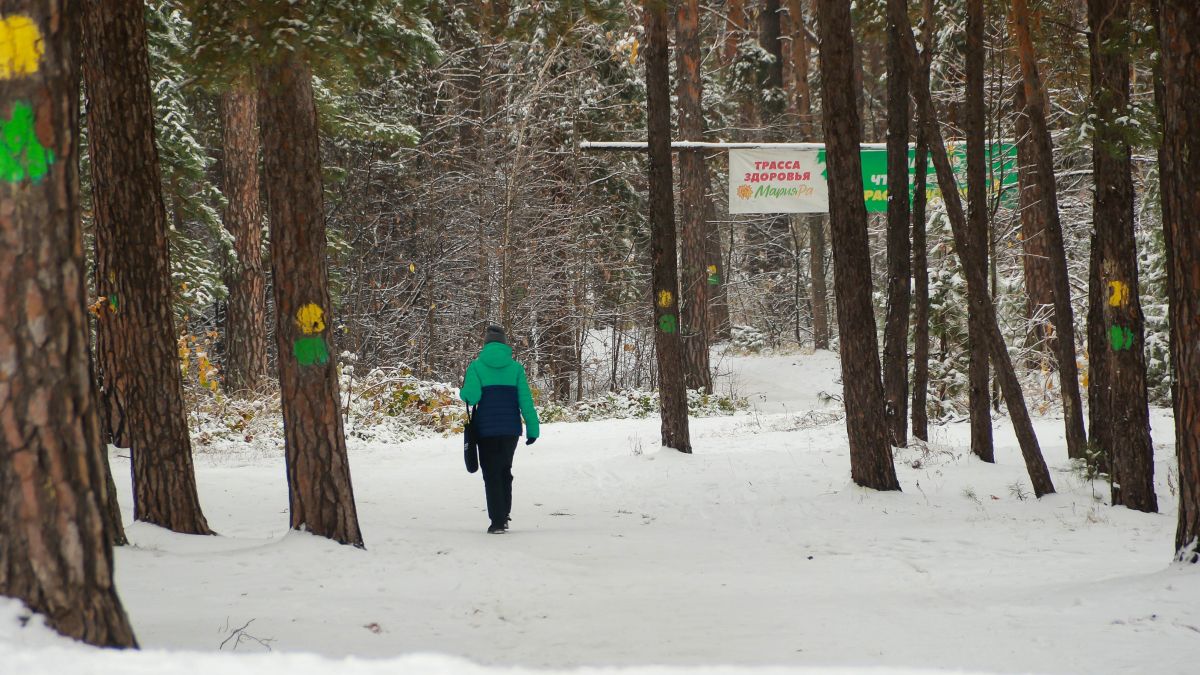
{"x":777,"y":181}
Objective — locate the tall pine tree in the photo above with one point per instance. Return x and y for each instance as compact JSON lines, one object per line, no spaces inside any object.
{"x":664,"y":275}
{"x":1177,"y":90}
{"x":1121,"y":428}
{"x":870,"y":454}
{"x":136,"y":339}
{"x":55,"y":554}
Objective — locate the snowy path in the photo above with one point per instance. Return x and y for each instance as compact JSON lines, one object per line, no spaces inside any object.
{"x":756,"y":550}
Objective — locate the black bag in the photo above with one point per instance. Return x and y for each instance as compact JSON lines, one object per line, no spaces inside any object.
{"x":470,"y":443}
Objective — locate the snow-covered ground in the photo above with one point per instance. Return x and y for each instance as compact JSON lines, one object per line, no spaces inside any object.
{"x":756,"y":550}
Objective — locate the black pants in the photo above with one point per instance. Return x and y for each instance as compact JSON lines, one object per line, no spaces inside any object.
{"x":495,"y":459}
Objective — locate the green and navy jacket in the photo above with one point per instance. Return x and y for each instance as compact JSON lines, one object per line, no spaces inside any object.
{"x":497,"y":384}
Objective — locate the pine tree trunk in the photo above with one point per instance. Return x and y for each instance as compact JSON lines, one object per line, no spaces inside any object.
{"x":115,"y":525}
{"x":693,"y":198}
{"x":318,"y":470}
{"x":870,"y":454}
{"x":136,"y":341}
{"x":735,"y":26}
{"x":664,"y":274}
{"x":977,"y":231}
{"x":895,"y":332}
{"x":1178,"y":90}
{"x":776,"y":260}
{"x":720,"y":327}
{"x":55,"y":553}
{"x":769,"y":32}
{"x":1124,"y":411}
{"x":920,"y":383}
{"x":740,"y":14}
{"x":816,"y":273}
{"x":1035,"y":247}
{"x":246,"y":310}
{"x":977,"y":295}
{"x":1098,"y":379}
{"x":1064,"y":321}
{"x":920,"y":257}
{"x":815,"y":223}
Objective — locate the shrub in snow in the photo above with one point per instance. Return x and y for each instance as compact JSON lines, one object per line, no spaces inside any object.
{"x":392,"y":405}
{"x":747,"y":339}
{"x":636,"y":404}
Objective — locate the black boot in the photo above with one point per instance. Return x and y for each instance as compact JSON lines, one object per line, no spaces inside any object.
{"x":497,"y":528}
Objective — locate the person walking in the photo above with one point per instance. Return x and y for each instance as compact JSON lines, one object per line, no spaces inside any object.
{"x":496,"y":383}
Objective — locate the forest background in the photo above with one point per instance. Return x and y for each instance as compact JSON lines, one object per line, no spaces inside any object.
{"x":425,"y":172}
{"x":457,"y":193}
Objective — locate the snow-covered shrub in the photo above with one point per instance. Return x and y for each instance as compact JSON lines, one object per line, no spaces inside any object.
{"x":392,"y":405}
{"x":637,"y":404}
{"x":748,"y":339}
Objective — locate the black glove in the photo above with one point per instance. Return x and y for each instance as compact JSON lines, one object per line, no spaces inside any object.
{"x":529,"y":441}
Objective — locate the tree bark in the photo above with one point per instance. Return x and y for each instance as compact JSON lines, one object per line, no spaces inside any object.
{"x":870,"y":454}
{"x":895,"y":332}
{"x":1124,"y":410}
{"x":1178,"y":89}
{"x":1064,"y":321}
{"x":1098,"y":379}
{"x":920,"y":383}
{"x":112,"y":516}
{"x":769,"y":33}
{"x":1035,"y":258}
{"x":735,"y":27}
{"x":776,"y":261}
{"x":977,"y":232}
{"x":977,"y":281}
{"x":246,"y":310}
{"x":816,"y":223}
{"x":718,"y":293}
{"x":693,"y":197}
{"x":318,"y":471}
{"x":920,"y":256}
{"x":820,"y":290}
{"x":136,"y":340}
{"x":55,"y":551}
{"x":665,"y":274}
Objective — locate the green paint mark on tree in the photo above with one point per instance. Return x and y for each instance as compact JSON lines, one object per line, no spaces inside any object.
{"x":1120,"y":337}
{"x":667,"y":323}
{"x":311,"y":351}
{"x":22,"y":156}
{"x":113,"y":303}
{"x":714,"y":279}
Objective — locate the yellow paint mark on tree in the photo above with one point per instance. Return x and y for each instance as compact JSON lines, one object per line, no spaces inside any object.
{"x":665,"y":298}
{"x":1118,"y":294}
{"x":311,"y":319}
{"x":21,"y":46}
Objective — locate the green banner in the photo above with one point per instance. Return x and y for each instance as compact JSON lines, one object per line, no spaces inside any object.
{"x":1002,"y":168}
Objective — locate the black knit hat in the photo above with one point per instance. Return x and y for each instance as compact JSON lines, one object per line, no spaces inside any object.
{"x":494,"y":333}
